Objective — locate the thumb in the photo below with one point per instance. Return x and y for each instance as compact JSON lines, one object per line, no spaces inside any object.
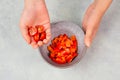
{"x":88,"y":38}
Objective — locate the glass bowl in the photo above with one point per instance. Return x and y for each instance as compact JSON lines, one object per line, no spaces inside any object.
{"x":69,"y":28}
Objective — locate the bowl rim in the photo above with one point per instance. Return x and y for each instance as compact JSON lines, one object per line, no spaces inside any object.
{"x":81,"y":56}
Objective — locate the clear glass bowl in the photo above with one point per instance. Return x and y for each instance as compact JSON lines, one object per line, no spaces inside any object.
{"x":69,"y":28}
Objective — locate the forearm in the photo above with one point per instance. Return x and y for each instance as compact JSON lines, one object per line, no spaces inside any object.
{"x":102,"y":5}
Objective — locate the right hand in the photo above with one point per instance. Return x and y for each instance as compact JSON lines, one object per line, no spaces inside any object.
{"x":35,"y":14}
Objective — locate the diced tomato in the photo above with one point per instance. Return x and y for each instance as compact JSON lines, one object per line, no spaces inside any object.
{"x":59,"y":54}
{"x":63,"y":49}
{"x":36,"y":37}
{"x":42,"y":36}
{"x":67,"y":50}
{"x":52,"y":55}
{"x":72,"y":49}
{"x":73,"y":38}
{"x":75,"y":54}
{"x":50,"y":49}
{"x":56,"y":49}
{"x":60,"y":36}
{"x":56,"y":40}
{"x":63,"y":59}
{"x":59,"y":60}
{"x":37,"y":33}
{"x":69,"y":58}
{"x":59,"y":45}
{"x":32,"y":31}
{"x":63,"y":53}
{"x":54,"y":59}
{"x":68,"y":43}
{"x":40,"y":28}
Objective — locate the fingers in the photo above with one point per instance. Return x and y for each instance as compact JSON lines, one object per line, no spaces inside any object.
{"x":88,"y":38}
{"x":48,"y":35}
{"x":29,"y":40}
{"x":40,"y":43}
{"x":90,"y":24}
{"x":33,"y":43}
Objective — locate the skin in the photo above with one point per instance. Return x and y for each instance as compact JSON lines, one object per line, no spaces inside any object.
{"x":92,"y":19}
{"x":35,"y":13}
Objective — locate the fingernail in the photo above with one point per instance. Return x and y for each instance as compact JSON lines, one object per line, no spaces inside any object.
{"x":40,"y":43}
{"x":45,"y":41}
{"x":88,"y":44}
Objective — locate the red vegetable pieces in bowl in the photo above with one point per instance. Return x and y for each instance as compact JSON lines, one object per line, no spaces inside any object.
{"x":63,"y":49}
{"x":37,"y":33}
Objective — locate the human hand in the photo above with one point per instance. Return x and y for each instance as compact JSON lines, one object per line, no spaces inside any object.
{"x":35,"y":13}
{"x":90,"y":24}
{"x":92,"y":18}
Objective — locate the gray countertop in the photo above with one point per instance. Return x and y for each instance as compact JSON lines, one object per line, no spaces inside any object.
{"x":18,"y":61}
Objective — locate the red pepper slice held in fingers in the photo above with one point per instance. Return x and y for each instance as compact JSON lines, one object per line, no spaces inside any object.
{"x":37,"y":33}
{"x":64,"y":49}
{"x":42,"y":36}
{"x":40,"y":28}
{"x":32,"y":31}
{"x":36,"y":37}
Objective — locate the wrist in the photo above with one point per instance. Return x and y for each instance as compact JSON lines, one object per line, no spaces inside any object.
{"x":32,"y":3}
{"x":102,"y":5}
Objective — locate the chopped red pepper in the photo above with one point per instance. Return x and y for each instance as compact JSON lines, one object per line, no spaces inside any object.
{"x":32,"y":31}
{"x":37,"y":33}
{"x":63,"y":49}
{"x":36,"y":37}
{"x":42,"y":36}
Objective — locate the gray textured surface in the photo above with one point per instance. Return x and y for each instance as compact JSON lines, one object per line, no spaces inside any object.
{"x":18,"y":61}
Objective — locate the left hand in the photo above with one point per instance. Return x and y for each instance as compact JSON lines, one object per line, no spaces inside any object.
{"x":91,"y":23}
